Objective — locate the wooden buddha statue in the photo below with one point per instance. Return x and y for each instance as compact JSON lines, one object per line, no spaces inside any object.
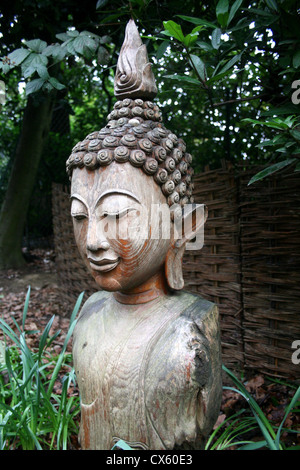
{"x":146,"y":353}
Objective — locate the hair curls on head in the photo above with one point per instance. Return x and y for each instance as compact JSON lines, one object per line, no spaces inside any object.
{"x":141,"y":139}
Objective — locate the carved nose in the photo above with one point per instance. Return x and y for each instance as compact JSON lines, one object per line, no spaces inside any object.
{"x":96,"y":239}
{"x":100,"y":245}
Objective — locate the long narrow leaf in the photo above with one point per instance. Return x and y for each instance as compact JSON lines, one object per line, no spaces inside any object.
{"x":271,"y":169}
{"x":73,"y":321}
{"x":262,"y":421}
{"x":289,"y":408}
{"x":44,"y":336}
{"x":26,"y":308}
{"x":9,"y":332}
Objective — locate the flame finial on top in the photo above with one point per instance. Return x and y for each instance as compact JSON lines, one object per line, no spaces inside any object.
{"x":134,"y":77}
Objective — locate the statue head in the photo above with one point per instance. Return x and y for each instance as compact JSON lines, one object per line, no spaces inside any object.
{"x":131,"y":182}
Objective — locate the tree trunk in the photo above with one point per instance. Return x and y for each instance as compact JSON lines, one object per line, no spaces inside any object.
{"x":35,"y":129}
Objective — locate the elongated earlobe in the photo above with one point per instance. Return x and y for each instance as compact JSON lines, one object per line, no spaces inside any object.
{"x":173,"y":268}
{"x":187,"y":228}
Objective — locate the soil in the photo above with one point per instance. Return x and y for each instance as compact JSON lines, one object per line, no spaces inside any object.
{"x":45,"y":301}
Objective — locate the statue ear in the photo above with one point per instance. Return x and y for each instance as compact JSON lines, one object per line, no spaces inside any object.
{"x":187,"y":226}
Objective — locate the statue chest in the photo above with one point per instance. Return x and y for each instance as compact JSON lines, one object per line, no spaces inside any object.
{"x":137,"y":374}
{"x":111,"y":357}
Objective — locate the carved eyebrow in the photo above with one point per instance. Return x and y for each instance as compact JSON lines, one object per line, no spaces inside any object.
{"x":79,"y":198}
{"x":117,"y":191}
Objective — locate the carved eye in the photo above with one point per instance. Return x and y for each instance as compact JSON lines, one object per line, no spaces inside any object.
{"x":79,"y":216}
{"x":78,"y":210}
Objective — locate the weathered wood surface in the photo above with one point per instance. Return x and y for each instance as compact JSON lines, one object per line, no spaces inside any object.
{"x":134,"y":77}
{"x":150,"y":376}
{"x":147,"y":360}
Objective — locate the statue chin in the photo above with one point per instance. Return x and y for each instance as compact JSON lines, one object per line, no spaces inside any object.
{"x":109,"y":284}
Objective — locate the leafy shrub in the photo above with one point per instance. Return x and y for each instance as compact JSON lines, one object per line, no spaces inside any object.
{"x":32,"y":414}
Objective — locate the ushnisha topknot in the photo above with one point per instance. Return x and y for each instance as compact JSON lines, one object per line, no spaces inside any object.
{"x":135,"y":133}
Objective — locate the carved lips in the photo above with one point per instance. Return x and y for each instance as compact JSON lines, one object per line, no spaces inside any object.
{"x":103,"y":264}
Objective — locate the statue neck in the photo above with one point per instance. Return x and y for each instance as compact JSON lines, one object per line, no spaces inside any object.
{"x":146,"y":292}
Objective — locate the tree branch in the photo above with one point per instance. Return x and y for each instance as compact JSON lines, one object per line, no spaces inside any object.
{"x":239,"y":100}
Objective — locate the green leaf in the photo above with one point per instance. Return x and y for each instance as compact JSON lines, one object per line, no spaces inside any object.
{"x":25,"y":309}
{"x":174,"y":29}
{"x":183,"y":78}
{"x":205,"y":46}
{"x":34,"y":63}
{"x":35,"y":59}
{"x":17,"y":56}
{"x":56,"y":84}
{"x":271,"y":169}
{"x":105,"y":39}
{"x":273,"y":124}
{"x":233,"y":10}
{"x":253,"y":445}
{"x":42,"y":71}
{"x":4,"y":67}
{"x":296,"y":59}
{"x":199,"y":21}
{"x":72,"y":33}
{"x":296,"y":134}
{"x":230,"y":63}
{"x":284,"y":109}
{"x":216,"y":38}
{"x":121,"y":445}
{"x":101,"y":4}
{"x":272,"y":4}
{"x":297,"y":167}
{"x":162,"y":49}
{"x":29,"y":71}
{"x":62,"y":36}
{"x":103,"y":56}
{"x":34,"y":85}
{"x":266,"y":143}
{"x":56,"y":51}
{"x":36,"y":45}
{"x":199,"y":65}
{"x":291,"y":405}
{"x":191,"y":38}
{"x":222,"y":12}
{"x":85,"y":45}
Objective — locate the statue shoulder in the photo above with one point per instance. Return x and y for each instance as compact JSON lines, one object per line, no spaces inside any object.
{"x":94,"y":303}
{"x":197,"y":309}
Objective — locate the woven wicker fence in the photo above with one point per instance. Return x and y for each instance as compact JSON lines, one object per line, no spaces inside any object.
{"x":249,"y":265}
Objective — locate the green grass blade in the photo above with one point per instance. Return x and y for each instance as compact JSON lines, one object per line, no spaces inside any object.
{"x":26,"y":308}
{"x":7,"y":330}
{"x":253,"y":445}
{"x":73,"y":321}
{"x":44,"y":337}
{"x":292,"y":403}
{"x":262,"y":421}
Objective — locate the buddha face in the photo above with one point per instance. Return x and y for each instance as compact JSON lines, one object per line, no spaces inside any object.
{"x":118,"y":213}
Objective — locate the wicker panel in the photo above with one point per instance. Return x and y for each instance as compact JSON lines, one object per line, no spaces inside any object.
{"x":249,"y":265}
{"x":270,"y":248}
{"x":73,"y":275}
{"x":214,"y":272}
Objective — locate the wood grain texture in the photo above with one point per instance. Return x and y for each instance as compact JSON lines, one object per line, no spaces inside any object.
{"x":148,"y":376}
{"x":134,"y":77}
